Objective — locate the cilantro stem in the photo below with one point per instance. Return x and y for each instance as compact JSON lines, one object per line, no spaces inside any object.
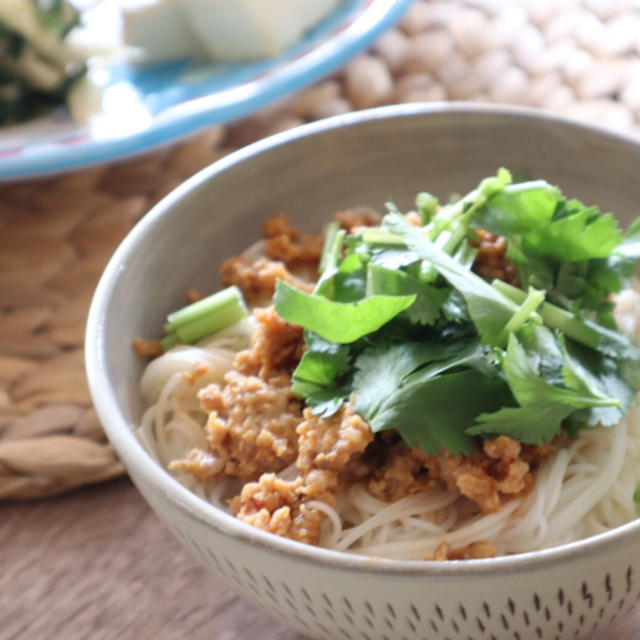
{"x":466,"y":255}
{"x":558,"y":318}
{"x":207,"y":316}
{"x":456,"y":236}
{"x":461,"y":211}
{"x":231,"y":297}
{"x":376,"y":236}
{"x":443,"y":239}
{"x":446,"y":239}
{"x":331,"y":256}
{"x":328,"y":248}
{"x":427,"y":206}
{"x":553,"y":316}
{"x":334,"y":255}
{"x":533,"y":300}
{"x":168,"y":341}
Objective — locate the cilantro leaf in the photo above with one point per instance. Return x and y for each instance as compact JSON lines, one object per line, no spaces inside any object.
{"x":318,"y":376}
{"x":326,"y":404}
{"x":607,"y":377}
{"x":381,"y":368}
{"x":573,"y":252}
{"x":454,"y":308}
{"x":551,"y":384}
{"x":322,"y":362}
{"x":488,"y":308}
{"x":400,"y":322}
{"x":534,"y":424}
{"x":608,"y":341}
{"x":431,"y":415}
{"x":583,"y":235}
{"x":519,"y":208}
{"x":630,"y":246}
{"x":340,"y":322}
{"x":346,"y":283}
{"x":543,"y":352}
{"x":414,"y":388}
{"x":612,"y":342}
{"x":529,"y":388}
{"x":429,"y":299}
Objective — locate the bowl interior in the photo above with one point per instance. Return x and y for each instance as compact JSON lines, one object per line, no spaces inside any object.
{"x":360,"y":159}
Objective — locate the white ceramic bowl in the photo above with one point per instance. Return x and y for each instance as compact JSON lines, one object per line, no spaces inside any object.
{"x":361,"y":158}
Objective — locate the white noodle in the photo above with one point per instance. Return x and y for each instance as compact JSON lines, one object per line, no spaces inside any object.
{"x":578,"y":491}
{"x":336,"y":524}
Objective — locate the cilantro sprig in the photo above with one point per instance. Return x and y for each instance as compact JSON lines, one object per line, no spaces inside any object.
{"x":429,"y":348}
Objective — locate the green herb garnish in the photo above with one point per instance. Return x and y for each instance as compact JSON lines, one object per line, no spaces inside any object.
{"x":340,"y":322}
{"x":204,"y":317}
{"x":442,"y":355}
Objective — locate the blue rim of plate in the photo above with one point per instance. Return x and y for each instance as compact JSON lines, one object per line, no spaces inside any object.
{"x":343,"y":34}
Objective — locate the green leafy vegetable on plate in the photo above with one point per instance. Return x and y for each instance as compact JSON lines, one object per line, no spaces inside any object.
{"x":37,"y":66}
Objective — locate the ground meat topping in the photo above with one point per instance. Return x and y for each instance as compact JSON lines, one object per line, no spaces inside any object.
{"x":473,"y":551}
{"x":511,"y":472}
{"x":276,"y":346}
{"x":193,"y":295}
{"x":251,"y":428}
{"x":402,"y":474}
{"x":202,"y":465}
{"x":277,"y":226}
{"x":486,"y":476}
{"x":257,"y":280}
{"x":393,"y":470}
{"x":147,"y":348}
{"x":325,"y":446}
{"x":329,"y":443}
{"x":278,"y":506}
{"x":252,"y":419}
{"x":191,"y":377}
{"x":286,"y":244}
{"x":491,"y":261}
{"x":351,"y":221}
{"x":413,"y":218}
{"x":252,"y":423}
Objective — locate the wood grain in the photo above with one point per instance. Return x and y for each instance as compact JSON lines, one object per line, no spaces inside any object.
{"x":97,"y":564}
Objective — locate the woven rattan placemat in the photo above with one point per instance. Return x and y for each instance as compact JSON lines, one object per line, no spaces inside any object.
{"x":581,"y":58}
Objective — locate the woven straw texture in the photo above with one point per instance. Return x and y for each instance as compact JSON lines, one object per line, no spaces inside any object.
{"x":579,"y":58}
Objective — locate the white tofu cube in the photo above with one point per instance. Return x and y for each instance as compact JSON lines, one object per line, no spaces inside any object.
{"x":251,"y":29}
{"x":160,"y":29}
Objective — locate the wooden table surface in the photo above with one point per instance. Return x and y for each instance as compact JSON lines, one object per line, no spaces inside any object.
{"x":97,"y":564}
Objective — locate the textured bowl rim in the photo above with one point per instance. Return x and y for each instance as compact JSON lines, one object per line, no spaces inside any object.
{"x":149,"y":471}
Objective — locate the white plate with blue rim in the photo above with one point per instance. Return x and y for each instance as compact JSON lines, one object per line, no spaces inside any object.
{"x":150,"y":106}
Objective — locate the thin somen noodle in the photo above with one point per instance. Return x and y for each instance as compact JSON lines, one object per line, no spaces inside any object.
{"x":579,"y":491}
